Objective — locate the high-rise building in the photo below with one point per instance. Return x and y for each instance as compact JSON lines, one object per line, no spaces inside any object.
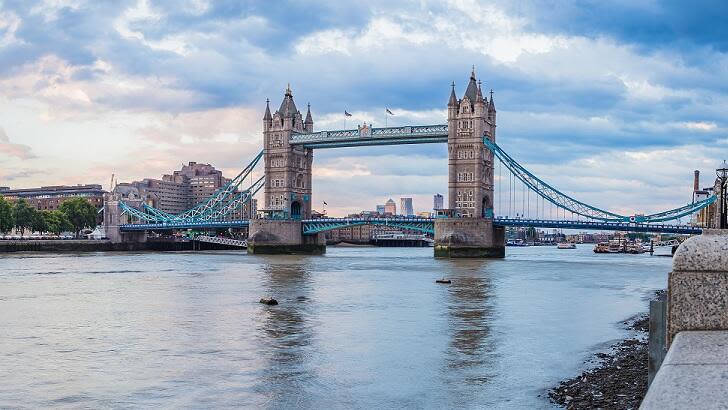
{"x":380,"y":209}
{"x":390,"y":207}
{"x":438,"y":202}
{"x":406,"y":207}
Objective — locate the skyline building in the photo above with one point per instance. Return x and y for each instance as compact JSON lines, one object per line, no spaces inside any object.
{"x":380,"y":209}
{"x":390,"y":207}
{"x":406,"y":206}
{"x":182,"y":189}
{"x":438,"y":202}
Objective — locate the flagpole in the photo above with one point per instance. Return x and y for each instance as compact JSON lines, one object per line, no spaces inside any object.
{"x":386,"y":117}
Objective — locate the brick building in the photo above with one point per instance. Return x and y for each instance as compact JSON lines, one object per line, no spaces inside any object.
{"x":50,"y":197}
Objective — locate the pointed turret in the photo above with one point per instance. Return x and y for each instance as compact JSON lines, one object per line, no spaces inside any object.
{"x":491,"y":104}
{"x":479,"y":95}
{"x":308,"y":123}
{"x":309,"y":120}
{"x":288,"y":107}
{"x":472,"y":91}
{"x":453,"y":98}
{"x":267,"y":116}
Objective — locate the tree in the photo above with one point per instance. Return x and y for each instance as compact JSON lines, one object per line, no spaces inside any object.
{"x":7,"y":220}
{"x":38,"y":222}
{"x":56,"y":222}
{"x":79,"y":212}
{"x":23,"y":214}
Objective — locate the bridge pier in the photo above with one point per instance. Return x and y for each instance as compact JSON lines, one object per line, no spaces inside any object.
{"x":469,"y":238}
{"x":283,"y":236}
{"x":112,"y":220}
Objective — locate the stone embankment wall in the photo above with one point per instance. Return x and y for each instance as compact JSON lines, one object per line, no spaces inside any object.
{"x":105,"y":246}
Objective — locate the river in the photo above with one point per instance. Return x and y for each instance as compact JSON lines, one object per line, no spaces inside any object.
{"x":357,"y":328}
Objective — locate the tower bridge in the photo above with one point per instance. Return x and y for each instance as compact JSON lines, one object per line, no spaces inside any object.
{"x":469,"y":229}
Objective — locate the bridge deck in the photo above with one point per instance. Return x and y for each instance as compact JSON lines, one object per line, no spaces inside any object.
{"x":421,"y":134}
{"x":311,"y":226}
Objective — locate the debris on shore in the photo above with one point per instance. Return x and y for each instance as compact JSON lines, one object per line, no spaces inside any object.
{"x":618,"y":382}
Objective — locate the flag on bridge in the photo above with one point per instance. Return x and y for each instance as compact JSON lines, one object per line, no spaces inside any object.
{"x":347,"y":113}
{"x":325,"y":203}
{"x":389,"y":112}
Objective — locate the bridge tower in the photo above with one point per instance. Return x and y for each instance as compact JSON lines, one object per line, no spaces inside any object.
{"x":470,"y":231}
{"x":287,"y":192}
{"x":287,"y":168}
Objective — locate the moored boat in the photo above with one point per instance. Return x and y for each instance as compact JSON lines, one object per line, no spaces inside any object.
{"x":566,"y":245}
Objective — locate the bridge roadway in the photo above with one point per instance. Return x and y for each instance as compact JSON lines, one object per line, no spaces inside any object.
{"x":312,"y":226}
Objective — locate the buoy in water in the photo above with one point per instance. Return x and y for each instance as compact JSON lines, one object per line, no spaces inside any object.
{"x":443,"y":280}
{"x":269,"y":301}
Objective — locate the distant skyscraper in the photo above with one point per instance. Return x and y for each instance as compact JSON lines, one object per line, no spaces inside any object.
{"x":406,"y":206}
{"x":438,"y":202}
{"x":380,"y":209}
{"x":390,"y":207}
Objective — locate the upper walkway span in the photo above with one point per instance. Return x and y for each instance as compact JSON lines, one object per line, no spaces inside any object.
{"x":369,"y":136}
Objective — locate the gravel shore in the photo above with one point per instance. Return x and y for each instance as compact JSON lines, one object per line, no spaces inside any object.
{"x":618,"y":382}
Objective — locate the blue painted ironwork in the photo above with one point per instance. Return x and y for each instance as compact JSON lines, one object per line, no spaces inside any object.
{"x":313,"y":226}
{"x":221,"y":203}
{"x":366,"y":136}
{"x":167,"y":226}
{"x":600,"y":225}
{"x":568,"y":203}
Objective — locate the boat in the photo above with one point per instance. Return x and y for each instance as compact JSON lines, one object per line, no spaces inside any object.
{"x":566,"y":245}
{"x":516,"y":242}
{"x":603,"y":247}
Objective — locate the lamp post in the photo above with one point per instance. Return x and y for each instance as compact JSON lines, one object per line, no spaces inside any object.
{"x":722,"y":173}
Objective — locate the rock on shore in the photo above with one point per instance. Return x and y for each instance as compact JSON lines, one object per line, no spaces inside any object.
{"x":618,"y":382}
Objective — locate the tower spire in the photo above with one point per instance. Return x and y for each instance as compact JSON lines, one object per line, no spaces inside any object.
{"x":309,"y":120}
{"x":479,"y":95}
{"x":491,"y":104}
{"x":453,"y":99}
{"x":267,"y":115}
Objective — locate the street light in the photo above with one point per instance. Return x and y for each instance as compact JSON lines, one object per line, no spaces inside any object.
{"x":722,"y":173}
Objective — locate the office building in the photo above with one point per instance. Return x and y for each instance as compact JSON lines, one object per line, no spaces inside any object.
{"x":390,"y":207}
{"x":438,"y":202}
{"x":406,"y":207}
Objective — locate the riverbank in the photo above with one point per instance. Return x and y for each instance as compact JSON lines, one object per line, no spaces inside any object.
{"x":88,"y":245}
{"x":619,"y":379}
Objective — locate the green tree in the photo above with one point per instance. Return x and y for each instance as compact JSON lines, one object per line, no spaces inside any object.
{"x":7,"y":220}
{"x":56,"y":222}
{"x":79,"y":212}
{"x":39,"y":223}
{"x":23,"y":214}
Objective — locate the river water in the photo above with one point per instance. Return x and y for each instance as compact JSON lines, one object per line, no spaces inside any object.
{"x":358,"y":328}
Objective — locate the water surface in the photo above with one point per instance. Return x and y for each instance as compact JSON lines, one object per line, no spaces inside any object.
{"x":357,"y":328}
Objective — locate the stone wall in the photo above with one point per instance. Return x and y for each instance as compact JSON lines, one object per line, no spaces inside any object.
{"x":275,"y":236}
{"x":468,"y":238}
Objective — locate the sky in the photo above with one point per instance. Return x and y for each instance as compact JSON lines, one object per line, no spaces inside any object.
{"x":615,"y":103}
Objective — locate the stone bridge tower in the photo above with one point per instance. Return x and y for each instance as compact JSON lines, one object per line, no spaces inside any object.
{"x":287,"y":192}
{"x":470,"y":163}
{"x":470,"y":231}
{"x":287,"y":168}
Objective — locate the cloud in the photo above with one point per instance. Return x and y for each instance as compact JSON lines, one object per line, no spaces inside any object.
{"x":13,"y":150}
{"x":580,"y":88}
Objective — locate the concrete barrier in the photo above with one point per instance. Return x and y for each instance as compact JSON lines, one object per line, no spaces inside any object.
{"x":694,"y":373}
{"x":697,"y":290}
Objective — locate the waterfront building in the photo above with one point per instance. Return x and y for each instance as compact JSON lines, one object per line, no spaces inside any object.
{"x":380,"y":209}
{"x":424,"y":214}
{"x":181,"y":190}
{"x":438,"y":202}
{"x":390,"y":207}
{"x":406,"y":206}
{"x":50,"y":197}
